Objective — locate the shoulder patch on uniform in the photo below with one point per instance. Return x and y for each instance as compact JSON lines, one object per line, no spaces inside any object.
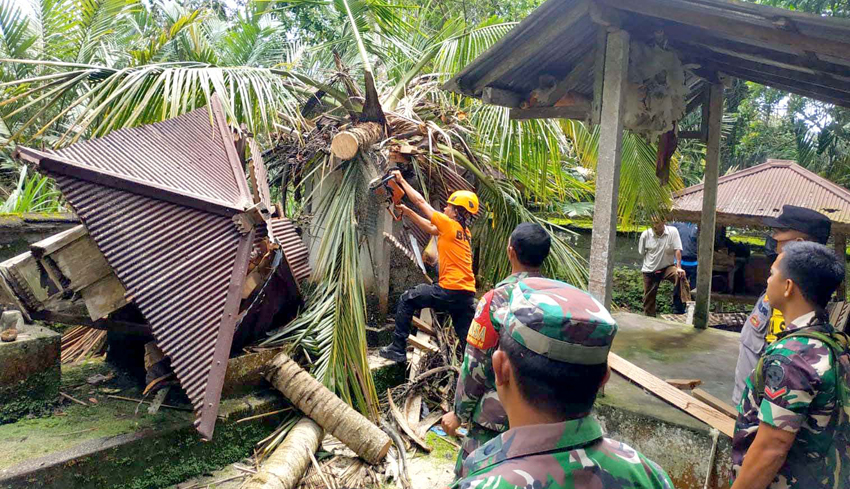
{"x":481,"y":334}
{"x":756,"y":322}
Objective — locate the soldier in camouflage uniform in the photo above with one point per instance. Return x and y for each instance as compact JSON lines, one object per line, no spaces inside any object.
{"x":791,"y":431}
{"x":550,"y":363}
{"x":476,"y":400}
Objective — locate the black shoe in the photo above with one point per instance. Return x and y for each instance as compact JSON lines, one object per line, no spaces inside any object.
{"x":392,"y":352}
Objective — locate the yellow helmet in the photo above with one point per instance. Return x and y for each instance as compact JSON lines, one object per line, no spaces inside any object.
{"x":466,"y":200}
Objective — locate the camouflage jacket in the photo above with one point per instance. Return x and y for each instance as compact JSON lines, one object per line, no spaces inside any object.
{"x":475,"y":397}
{"x":569,"y":455}
{"x":800,"y":397}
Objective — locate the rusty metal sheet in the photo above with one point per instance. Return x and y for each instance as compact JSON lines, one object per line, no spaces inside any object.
{"x":158,"y":202}
{"x":762,"y":190}
{"x":260,"y":175}
{"x":294,"y":251}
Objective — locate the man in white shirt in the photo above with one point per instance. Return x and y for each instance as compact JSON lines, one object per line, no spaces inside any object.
{"x":661,"y":249}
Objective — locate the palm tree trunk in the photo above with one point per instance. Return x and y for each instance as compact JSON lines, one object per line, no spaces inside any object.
{"x":326,"y":409}
{"x":286,"y":466}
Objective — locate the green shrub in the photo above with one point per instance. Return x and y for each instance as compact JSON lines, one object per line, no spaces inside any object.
{"x":628,"y":292}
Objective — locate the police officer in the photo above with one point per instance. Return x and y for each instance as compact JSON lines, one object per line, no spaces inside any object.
{"x":476,"y":400}
{"x":550,"y":363}
{"x":455,"y":292}
{"x":792,"y":427}
{"x":763,"y":324}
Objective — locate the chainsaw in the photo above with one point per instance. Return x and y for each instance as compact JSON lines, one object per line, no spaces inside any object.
{"x":386,"y":188}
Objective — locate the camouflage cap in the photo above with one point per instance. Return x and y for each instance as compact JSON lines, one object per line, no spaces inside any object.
{"x":559,"y":321}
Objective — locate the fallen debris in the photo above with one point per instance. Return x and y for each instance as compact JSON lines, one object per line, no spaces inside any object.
{"x":73,"y":399}
{"x":9,"y":335}
{"x":285,"y":467}
{"x":81,"y":342}
{"x":329,"y":411}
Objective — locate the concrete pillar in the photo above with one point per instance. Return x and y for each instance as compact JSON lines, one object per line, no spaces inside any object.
{"x":841,"y":252}
{"x":615,"y":75}
{"x":709,"y":206}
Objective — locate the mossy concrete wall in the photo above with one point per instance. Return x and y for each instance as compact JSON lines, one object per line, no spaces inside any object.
{"x":29,"y":373}
{"x":150,"y":457}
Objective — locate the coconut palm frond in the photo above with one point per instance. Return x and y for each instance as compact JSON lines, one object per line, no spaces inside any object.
{"x":331,"y":330}
{"x":641,"y":197}
{"x":105,"y":99}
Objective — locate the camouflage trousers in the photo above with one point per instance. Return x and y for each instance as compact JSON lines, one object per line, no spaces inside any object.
{"x":477,"y":436}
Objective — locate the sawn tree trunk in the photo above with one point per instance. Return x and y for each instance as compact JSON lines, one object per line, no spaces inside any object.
{"x":287,"y":464}
{"x":329,"y":411}
{"x":346,"y":143}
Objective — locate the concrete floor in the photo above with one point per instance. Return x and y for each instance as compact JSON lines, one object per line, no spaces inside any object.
{"x":671,"y":350}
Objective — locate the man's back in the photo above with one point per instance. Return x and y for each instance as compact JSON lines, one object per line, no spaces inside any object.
{"x":569,"y":455}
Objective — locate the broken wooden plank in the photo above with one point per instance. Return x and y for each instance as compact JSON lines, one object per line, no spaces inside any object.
{"x":57,"y":241}
{"x":28,"y":280}
{"x":104,"y":297}
{"x":402,"y":423}
{"x":9,"y":300}
{"x":412,"y":410}
{"x":82,"y":263}
{"x":423,"y":326}
{"x":684,"y":384}
{"x":696,"y":408}
{"x":422,"y":344}
{"x":715,"y":403}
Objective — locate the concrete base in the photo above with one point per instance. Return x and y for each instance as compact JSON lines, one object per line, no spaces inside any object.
{"x":29,"y":373}
{"x":678,"y":442}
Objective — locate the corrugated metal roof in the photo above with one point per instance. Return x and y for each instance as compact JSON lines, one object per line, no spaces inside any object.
{"x":294,"y":250}
{"x":802,"y":53}
{"x":260,"y":174}
{"x":762,"y":190}
{"x":158,"y":201}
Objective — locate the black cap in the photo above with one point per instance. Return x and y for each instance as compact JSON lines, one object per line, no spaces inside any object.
{"x":806,"y":221}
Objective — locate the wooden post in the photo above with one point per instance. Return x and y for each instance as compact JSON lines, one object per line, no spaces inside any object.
{"x":615,"y":75}
{"x":841,"y":252}
{"x":709,"y":206}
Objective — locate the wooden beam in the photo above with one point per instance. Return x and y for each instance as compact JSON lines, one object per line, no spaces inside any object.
{"x":691,"y":135}
{"x":504,"y":58}
{"x":715,"y":403}
{"x":706,"y":39}
{"x":823,"y":94}
{"x":709,"y":206}
{"x":582,"y":69}
{"x":422,"y":343}
{"x":615,"y":78}
{"x":792,"y":76}
{"x":672,"y":395}
{"x":502,"y":98}
{"x":736,"y":27}
{"x":423,"y":326}
{"x":576,"y":113}
{"x":57,"y":241}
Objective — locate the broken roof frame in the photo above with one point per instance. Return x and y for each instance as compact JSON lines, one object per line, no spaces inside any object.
{"x":183,"y":185}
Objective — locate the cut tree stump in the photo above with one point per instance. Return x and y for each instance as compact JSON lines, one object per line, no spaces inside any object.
{"x":346,"y":143}
{"x":326,"y":409}
{"x":285,"y":467}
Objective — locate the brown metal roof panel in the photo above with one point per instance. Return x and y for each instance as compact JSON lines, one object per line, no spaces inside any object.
{"x":294,"y":251}
{"x":260,"y":173}
{"x":185,"y":153}
{"x":762,"y":190}
{"x":179,"y":265}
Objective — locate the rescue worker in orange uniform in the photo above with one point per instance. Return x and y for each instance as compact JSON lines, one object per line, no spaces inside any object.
{"x":455,"y":291}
